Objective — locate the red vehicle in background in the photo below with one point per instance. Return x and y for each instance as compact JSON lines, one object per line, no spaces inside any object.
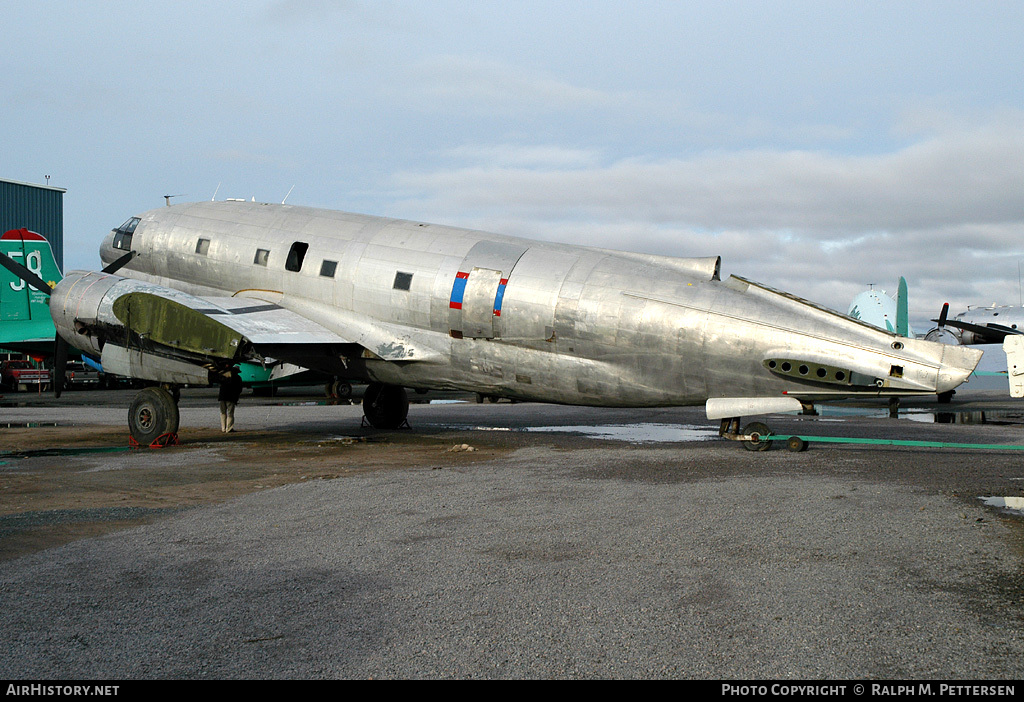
{"x":20,"y":375}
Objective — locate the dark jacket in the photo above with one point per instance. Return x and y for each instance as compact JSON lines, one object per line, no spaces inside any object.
{"x":230,"y":388}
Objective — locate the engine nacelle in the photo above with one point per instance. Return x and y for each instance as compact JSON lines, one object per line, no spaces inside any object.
{"x":943,"y":335}
{"x":82,"y":309}
{"x":141,"y":330}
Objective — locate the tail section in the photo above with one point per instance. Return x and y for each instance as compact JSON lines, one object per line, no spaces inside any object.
{"x":878,"y":309}
{"x":25,"y":321}
{"x":902,"y":315}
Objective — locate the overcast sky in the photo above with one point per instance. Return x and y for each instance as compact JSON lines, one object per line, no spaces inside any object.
{"x":816,"y":146}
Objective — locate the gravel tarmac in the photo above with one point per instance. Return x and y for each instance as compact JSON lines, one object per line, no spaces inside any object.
{"x":539,"y":554}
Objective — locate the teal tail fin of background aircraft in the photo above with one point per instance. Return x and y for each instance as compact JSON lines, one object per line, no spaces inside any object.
{"x":25,"y":322}
{"x":902,"y":315}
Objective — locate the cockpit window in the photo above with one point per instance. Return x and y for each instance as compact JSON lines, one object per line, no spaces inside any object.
{"x":123,"y":234}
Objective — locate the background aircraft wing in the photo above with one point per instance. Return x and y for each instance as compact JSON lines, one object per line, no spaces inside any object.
{"x":989,"y":333}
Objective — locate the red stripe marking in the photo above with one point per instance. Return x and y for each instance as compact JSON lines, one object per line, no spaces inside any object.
{"x":23,"y":235}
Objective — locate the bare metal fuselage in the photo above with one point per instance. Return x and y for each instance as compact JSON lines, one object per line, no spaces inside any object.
{"x":442,"y":307}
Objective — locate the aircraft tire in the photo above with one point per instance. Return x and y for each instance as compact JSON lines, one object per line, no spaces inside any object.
{"x":385,"y":406}
{"x":759,"y":429}
{"x":152,"y":414}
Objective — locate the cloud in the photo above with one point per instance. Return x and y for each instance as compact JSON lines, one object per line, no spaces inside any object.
{"x":511,"y":155}
{"x":485,"y":84}
{"x":945,"y":210}
{"x":951,"y":179}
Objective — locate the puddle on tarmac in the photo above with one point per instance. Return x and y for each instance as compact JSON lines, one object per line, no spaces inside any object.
{"x":27,"y":425}
{"x":966,"y":417}
{"x":926,"y":416}
{"x":632,"y":433}
{"x":49,"y":452}
{"x":1010,"y":504}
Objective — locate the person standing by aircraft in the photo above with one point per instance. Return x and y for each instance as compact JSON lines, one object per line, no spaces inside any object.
{"x":230,"y":391}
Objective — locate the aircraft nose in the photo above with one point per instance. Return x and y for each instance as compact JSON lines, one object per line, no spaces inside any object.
{"x":957,"y":364}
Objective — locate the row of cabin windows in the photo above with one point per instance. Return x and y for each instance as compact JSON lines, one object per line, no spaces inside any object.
{"x":296,"y":255}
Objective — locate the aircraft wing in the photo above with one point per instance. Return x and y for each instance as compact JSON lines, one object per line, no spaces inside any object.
{"x":148,"y":331}
{"x":991,"y":333}
{"x":267,"y":323}
{"x":380,"y":340}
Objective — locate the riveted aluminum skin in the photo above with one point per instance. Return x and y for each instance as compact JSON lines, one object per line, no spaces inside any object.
{"x":443,"y":307}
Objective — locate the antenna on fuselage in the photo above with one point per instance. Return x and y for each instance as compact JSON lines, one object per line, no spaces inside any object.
{"x":215,"y":193}
{"x":167,"y":198}
{"x":289,"y":193}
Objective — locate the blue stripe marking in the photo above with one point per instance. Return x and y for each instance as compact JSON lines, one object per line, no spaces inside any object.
{"x":458,"y":290}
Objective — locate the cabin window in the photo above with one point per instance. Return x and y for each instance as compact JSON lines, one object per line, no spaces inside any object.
{"x":123,"y":234}
{"x":403,"y":281}
{"x":327,"y":268}
{"x":260,"y":259}
{"x":203,"y":247}
{"x":295,"y":256}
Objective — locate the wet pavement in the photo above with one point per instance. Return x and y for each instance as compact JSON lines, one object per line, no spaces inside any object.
{"x":507,"y":541}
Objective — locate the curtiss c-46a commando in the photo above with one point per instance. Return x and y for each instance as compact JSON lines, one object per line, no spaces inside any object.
{"x":192,"y":289}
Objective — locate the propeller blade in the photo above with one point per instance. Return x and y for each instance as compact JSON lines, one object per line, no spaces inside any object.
{"x":25,"y":274}
{"x":119,"y":263}
{"x":942,"y":315}
{"x":60,"y":364}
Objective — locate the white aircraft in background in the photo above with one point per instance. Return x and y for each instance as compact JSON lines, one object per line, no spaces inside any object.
{"x":979,"y":325}
{"x":878,"y":309}
{"x":990,"y":327}
{"x":975,"y":325}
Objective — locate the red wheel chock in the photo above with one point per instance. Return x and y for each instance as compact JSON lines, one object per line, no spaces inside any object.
{"x":162,"y":441}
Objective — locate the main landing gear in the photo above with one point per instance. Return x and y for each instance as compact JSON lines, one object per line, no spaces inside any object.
{"x":754,"y":436}
{"x":153,"y":415}
{"x":385,"y":406}
{"x":751,"y":436}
